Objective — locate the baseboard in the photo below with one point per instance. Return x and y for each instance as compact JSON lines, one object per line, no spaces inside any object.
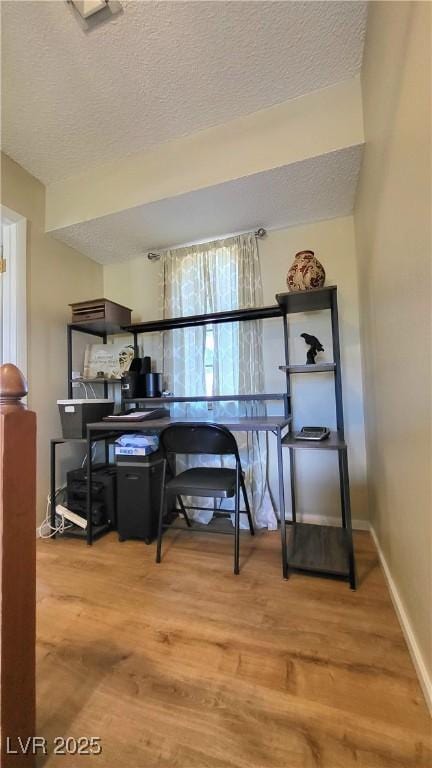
{"x":410,"y":639}
{"x":357,"y":525}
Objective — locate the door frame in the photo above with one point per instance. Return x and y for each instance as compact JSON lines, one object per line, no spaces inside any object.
{"x":14,"y":310}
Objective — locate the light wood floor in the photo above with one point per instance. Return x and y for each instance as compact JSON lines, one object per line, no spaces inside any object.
{"x":183,"y":665}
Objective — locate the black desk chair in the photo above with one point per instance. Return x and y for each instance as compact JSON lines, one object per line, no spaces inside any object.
{"x":220,"y":483}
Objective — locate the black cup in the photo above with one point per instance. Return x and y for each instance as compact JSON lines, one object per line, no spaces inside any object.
{"x":154,"y":384}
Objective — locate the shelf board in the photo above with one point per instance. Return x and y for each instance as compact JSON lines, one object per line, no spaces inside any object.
{"x":207,"y":398}
{"x":306,"y":301}
{"x":230,"y":316}
{"x":81,"y":533}
{"x":59,"y":440}
{"x":332,"y":443}
{"x":98,"y":380}
{"x":317,"y":548}
{"x":98,"y":328}
{"x":316,"y":368}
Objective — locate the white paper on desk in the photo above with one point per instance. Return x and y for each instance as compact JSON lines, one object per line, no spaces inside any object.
{"x":135,"y":440}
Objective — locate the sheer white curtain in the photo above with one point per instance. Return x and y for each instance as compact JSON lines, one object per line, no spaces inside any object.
{"x":213,"y":277}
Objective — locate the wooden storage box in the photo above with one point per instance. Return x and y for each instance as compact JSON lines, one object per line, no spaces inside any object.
{"x":100,"y":315}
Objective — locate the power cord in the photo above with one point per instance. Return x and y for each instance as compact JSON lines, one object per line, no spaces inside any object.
{"x":84,"y":461}
{"x":63,"y":524}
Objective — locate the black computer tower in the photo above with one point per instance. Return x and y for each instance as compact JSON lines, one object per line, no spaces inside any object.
{"x":139,"y":487}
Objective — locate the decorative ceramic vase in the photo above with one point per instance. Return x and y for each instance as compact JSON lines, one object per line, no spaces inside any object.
{"x":306,"y":272}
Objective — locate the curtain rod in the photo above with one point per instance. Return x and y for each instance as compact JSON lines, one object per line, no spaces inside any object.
{"x":259,"y":233}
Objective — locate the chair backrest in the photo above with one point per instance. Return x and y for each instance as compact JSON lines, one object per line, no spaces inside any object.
{"x":195,"y":437}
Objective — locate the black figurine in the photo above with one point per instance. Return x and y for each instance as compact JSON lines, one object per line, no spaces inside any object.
{"x":314,"y":347}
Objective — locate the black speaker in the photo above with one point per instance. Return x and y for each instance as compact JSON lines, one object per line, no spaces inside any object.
{"x":140,"y":365}
{"x":129,"y":380}
{"x":133,"y":381}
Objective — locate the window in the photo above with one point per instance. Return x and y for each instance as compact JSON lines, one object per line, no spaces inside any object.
{"x":222,"y":358}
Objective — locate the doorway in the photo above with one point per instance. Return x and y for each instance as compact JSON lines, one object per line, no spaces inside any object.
{"x":13,"y":289}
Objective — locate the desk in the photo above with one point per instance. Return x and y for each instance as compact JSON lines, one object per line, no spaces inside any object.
{"x":104,"y":430}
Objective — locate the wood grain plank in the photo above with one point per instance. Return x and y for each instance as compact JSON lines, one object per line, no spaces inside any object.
{"x":183,"y":664}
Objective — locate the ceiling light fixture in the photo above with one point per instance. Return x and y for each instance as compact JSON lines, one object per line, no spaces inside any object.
{"x":90,"y":13}
{"x":87,"y":8}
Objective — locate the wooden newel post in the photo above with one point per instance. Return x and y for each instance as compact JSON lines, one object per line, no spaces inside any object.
{"x":17,"y":570}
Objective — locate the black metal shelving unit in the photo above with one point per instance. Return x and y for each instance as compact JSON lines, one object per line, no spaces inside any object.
{"x":327,"y":550}
{"x":313,"y":548}
{"x":102,"y":330}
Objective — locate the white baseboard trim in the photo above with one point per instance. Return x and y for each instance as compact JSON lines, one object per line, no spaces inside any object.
{"x":358,"y":525}
{"x":410,"y":638}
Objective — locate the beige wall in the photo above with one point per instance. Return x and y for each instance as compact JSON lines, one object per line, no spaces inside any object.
{"x":313,"y":395}
{"x":323,"y":121}
{"x":392,"y":222}
{"x":56,"y":276}
{"x":137,"y":284}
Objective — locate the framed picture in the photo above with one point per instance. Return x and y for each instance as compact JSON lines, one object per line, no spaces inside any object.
{"x":107,"y":361}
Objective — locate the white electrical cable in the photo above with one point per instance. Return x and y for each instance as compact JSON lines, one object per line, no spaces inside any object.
{"x":81,"y":384}
{"x":46,"y":523}
{"x":84,"y":461}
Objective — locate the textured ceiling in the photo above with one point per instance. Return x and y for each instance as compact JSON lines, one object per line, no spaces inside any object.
{"x":321,"y":188}
{"x":158,"y":71}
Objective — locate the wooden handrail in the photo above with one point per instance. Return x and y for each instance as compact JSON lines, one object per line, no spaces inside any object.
{"x":17,"y":570}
